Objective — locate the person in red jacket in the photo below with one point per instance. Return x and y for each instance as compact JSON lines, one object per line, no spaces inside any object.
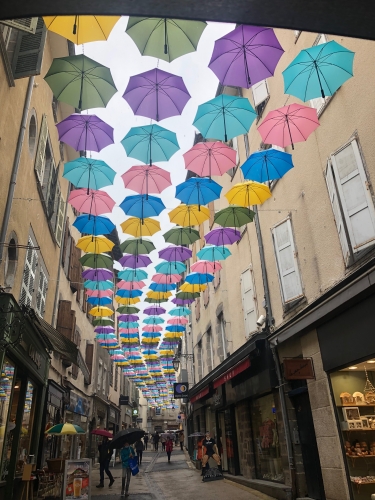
{"x":169,"y":448}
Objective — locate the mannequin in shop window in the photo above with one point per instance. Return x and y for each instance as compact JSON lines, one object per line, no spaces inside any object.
{"x":210,"y":451}
{"x":269,"y":444}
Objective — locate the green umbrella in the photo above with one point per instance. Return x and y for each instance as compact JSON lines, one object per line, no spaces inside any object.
{"x":103,"y":322}
{"x":181,"y":236}
{"x":234,"y":216}
{"x":187,"y":295}
{"x":137,"y":246}
{"x":96,"y":260}
{"x":81,"y":82}
{"x":127,"y":310}
{"x":165,"y":38}
{"x":155,"y":301}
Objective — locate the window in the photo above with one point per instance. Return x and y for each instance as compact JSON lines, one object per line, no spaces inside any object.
{"x":221,"y":337}
{"x":66,"y":319}
{"x":319,"y":103}
{"x":77,"y":341}
{"x":351,"y":201}
{"x":100,"y":377}
{"x":248,"y":302}
{"x":261,"y":96}
{"x":32,"y":134}
{"x":287,"y":265}
{"x":42,"y":292}
{"x":89,"y":356}
{"x":210,"y":351}
{"x":206,"y":296}
{"x":11,"y":262}
{"x":216,"y":281}
{"x":157,"y":411}
{"x":233,"y":143}
{"x":197,"y":308}
{"x":297,"y":34}
{"x":199,"y":361}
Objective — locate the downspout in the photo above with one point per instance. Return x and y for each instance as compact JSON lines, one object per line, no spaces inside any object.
{"x":16,"y":164}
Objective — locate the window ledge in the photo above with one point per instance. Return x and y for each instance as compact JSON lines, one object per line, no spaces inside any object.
{"x":291,"y":306}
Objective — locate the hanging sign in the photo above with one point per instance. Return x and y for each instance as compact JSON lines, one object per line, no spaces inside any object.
{"x":298,"y":369}
{"x":180,"y":390}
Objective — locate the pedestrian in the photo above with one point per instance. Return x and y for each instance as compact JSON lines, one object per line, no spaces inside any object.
{"x":163,"y":440}
{"x":169,"y":447}
{"x":139,"y":447}
{"x":104,"y":459}
{"x":145,"y":439}
{"x":182,"y":439}
{"x":210,"y":450}
{"x":126,"y":453}
{"x":156,"y":441}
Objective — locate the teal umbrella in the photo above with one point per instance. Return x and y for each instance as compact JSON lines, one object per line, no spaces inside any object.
{"x":89,"y":173}
{"x":153,"y":320}
{"x":170,"y":268}
{"x":99,"y":285}
{"x":318,"y":71}
{"x":81,"y":82}
{"x":213,"y":253}
{"x":132,"y":275}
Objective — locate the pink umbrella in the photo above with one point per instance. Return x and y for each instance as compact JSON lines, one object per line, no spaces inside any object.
{"x":206,"y":267}
{"x":128,"y":330}
{"x":210,"y":158}
{"x":99,"y":293}
{"x":91,"y":201}
{"x":152,"y":328}
{"x":178,"y":321}
{"x":166,"y":279}
{"x":145,"y":179}
{"x":130,"y":285}
{"x":288,"y":125}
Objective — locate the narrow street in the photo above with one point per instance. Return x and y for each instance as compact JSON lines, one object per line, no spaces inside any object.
{"x":158,"y":480}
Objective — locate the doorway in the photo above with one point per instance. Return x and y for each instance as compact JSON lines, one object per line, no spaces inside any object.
{"x":227,"y":441}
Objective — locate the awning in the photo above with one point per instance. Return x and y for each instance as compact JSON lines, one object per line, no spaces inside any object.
{"x":229,"y":374}
{"x":200,"y":395}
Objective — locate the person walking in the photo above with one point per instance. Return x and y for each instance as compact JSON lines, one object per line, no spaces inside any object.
{"x":104,"y":459}
{"x":145,"y":440}
{"x":163,"y":440}
{"x":181,"y":439}
{"x":169,"y":447}
{"x":156,"y":441}
{"x":139,"y":447}
{"x":126,"y":453}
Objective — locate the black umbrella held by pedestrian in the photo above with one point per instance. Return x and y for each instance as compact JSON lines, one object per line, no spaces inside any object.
{"x":126,"y":436}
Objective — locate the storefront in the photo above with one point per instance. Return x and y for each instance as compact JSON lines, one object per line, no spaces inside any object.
{"x":113,"y":419}
{"x":98,"y":421}
{"x":77,"y":412}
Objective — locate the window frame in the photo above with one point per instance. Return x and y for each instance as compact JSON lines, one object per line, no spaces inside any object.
{"x":243,"y":291}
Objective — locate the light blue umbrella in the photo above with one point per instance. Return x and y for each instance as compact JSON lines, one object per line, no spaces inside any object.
{"x":198,"y":191}
{"x":93,"y":224}
{"x":98,"y":285}
{"x":162,"y":287}
{"x":128,"y":324}
{"x":224,"y":117}
{"x":199,"y":278}
{"x":170,"y":268}
{"x":142,"y":206}
{"x":180,"y":311}
{"x":132,"y":275}
{"x":212,"y":253}
{"x":318,"y":71}
{"x":129,"y":293}
{"x":99,"y":301}
{"x":153,"y":320}
{"x":267,"y":165}
{"x":89,"y":173}
{"x":150,"y":143}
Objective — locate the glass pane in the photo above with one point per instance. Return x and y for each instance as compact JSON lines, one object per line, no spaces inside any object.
{"x":26,"y":429}
{"x":10,"y":429}
{"x":6,"y":384}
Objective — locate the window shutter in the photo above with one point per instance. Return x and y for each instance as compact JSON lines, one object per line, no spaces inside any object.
{"x":89,"y":356}
{"x":260,"y":92}
{"x":64,"y":321}
{"x":319,"y":102}
{"x":50,"y":201}
{"x":42,"y":293}
{"x":287,"y":262}
{"x":40,"y":156}
{"x":354,"y":195}
{"x":70,"y":275}
{"x":27,"y":24}
{"x":28,"y":280}
{"x":65,"y":242}
{"x":248,"y":302}
{"x":28,"y":53}
{"x":76,"y":269}
{"x":60,"y":221}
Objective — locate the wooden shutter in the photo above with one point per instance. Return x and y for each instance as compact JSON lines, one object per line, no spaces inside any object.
{"x":50,"y":201}
{"x":65,"y":319}
{"x":289,"y":277}
{"x":89,"y":357}
{"x":40,"y":156}
{"x":248,"y":302}
{"x":42,"y":292}
{"x":77,"y":340}
{"x":60,"y":221}
{"x":71,"y":260}
{"x":319,"y":102}
{"x":28,"y":279}
{"x":28,"y":53}
{"x":260,"y":92}
{"x":27,"y":24}
{"x":65,"y":242}
{"x":75,"y":268}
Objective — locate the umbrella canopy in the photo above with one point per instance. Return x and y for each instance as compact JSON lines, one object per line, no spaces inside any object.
{"x":98,"y":293}
{"x":158,"y":295}
{"x":156,"y":94}
{"x":89,"y":173}
{"x":267,"y":165}
{"x":101,"y":311}
{"x":137,"y":246}
{"x":166,"y":278}
{"x":189,"y":215}
{"x":248,"y":193}
{"x":246,"y":56}
{"x":105,"y":330}
{"x":154,"y":311}
{"x":198,"y":191}
{"x":150,"y":143}
{"x":132,"y":275}
{"x":199,"y":278}
{"x":153,"y":320}
{"x":180,"y":311}
{"x":81,"y":82}
{"x":91,"y":201}
{"x":170,"y":268}
{"x":174,"y":253}
{"x":127,"y":309}
{"x":99,"y":301}
{"x":181,"y":236}
{"x":152,"y":328}
{"x":164,"y":38}
{"x":146,"y":179}
{"x":178,"y":321}
{"x":95,"y":244}
{"x":102,"y":321}
{"x":210,"y":158}
{"x":187,"y":287}
{"x":97,"y":274}
{"x":222,"y":236}
{"x":234,"y":216}
{"x":96,"y":261}
{"x":138,"y":227}
{"x":318,"y":71}
{"x":131,"y":285}
{"x":128,"y":317}
{"x":126,"y":436}
{"x":65,"y":429}
{"x":127,"y":301}
{"x":81,"y":29}
{"x":93,"y":224}
{"x":287,"y":125}
{"x":175,"y":328}
{"x":98,"y":285}
{"x":129,"y":293}
{"x":85,"y":132}
{"x":206,"y":267}
{"x":135,"y":261}
{"x":142,"y":205}
{"x":102,"y":432}
{"x":212,"y":253}
{"x":162,"y":287}
{"x":224,"y":117}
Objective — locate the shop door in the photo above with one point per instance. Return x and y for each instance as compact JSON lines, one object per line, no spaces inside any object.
{"x":309,"y":448}
{"x":227,"y":442}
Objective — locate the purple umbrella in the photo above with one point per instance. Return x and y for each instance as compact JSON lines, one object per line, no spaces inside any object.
{"x":156,"y":94}
{"x":128,"y":317}
{"x":99,"y":274}
{"x":246,"y":56}
{"x":174,"y":253}
{"x":85,"y":132}
{"x":182,"y":302}
{"x":135,"y":261}
{"x":154,"y":311}
{"x":222,"y":236}
{"x":104,"y":329}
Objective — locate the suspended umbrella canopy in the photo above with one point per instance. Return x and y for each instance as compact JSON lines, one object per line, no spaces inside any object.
{"x":127,"y":309}
{"x":224,"y":117}
{"x":318,"y":71}
{"x":81,"y":29}
{"x":248,"y":193}
{"x":222,"y":236}
{"x":129,"y":293}
{"x":189,"y":215}
{"x":81,"y":82}
{"x":137,"y":246}
{"x":132,"y":274}
{"x":128,"y":317}
{"x":91,"y":201}
{"x":199,"y":278}
{"x":155,"y":287}
{"x":156,"y":94}
{"x":101,"y":311}
{"x":178,"y":321}
{"x":175,"y":328}
{"x":267,"y":165}
{"x":187,"y":296}
{"x":97,"y":274}
{"x":99,"y":301}
{"x":246,"y":56}
{"x":95,"y":244}
{"x":181,"y":236}
{"x":89,"y":173}
{"x":287,"y":125}
{"x":85,"y":132}
{"x":152,"y":328}
{"x":166,"y":279}
{"x":127,"y":301}
{"x":170,"y":268}
{"x":150,"y":143}
{"x":206,"y":267}
{"x":158,"y":295}
{"x":145,"y":179}
{"x":182,"y":302}
{"x":131,"y":285}
{"x":102,"y":322}
{"x":210,"y":158}
{"x":98,"y":285}
{"x":234,"y":216}
{"x":138,"y":228}
{"x":193,"y":288}
{"x":142,"y":206}
{"x":99,"y":293}
{"x":153,"y":320}
{"x":128,"y":324}
{"x":135,"y":261}
{"x":180,"y":311}
{"x":96,"y":261}
{"x":65,"y":429}
{"x":164,"y":38}
{"x":104,"y":329}
{"x":198,"y":191}
{"x":93,"y":224}
{"x":174,"y":253}
{"x":212,"y":253}
{"x":154,"y":311}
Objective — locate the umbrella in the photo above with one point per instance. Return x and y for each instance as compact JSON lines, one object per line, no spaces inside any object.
{"x":128,"y":317}
{"x":199,"y":278}
{"x":96,"y":261}
{"x":132,"y":274}
{"x":95,"y":244}
{"x":142,"y":205}
{"x":248,"y":193}
{"x":158,"y":295}
{"x":105,"y":330}
{"x":81,"y":82}
{"x":85,"y":132}
{"x":89,"y":173}
{"x":162,"y":287}
{"x":91,"y":201}
{"x":65,"y":429}
{"x":174,"y":253}
{"x":182,"y":302}
{"x":129,"y":293}
{"x":152,"y":328}
{"x":267,"y":165}
{"x":288,"y":125}
{"x":154,"y":311}
{"x":165,"y":38}
{"x":102,"y":321}
{"x":99,"y":301}
{"x":128,"y":324}
{"x":131,"y":285}
{"x":187,"y":287}
{"x":101,"y":311}
{"x":212,"y":253}
{"x":189,"y":215}
{"x":102,"y":432}
{"x":81,"y":29}
{"x":137,"y":246}
{"x":180,"y":311}
{"x":138,"y":227}
{"x":198,"y":191}
{"x":246,"y":56}
{"x":156,"y":94}
{"x":127,"y":310}
{"x":98,"y":285}
{"x":170,"y":268}
{"x":234,"y":216}
{"x":93,"y":224}
{"x":175,"y":328}
{"x":150,"y":143}
{"x":98,"y":293}
{"x":205,"y":267}
{"x":153,"y":320}
{"x":318,"y":71}
{"x":166,"y":278}
{"x":224,"y":117}
{"x":178,"y":321}
{"x":127,"y":301}
{"x":210,"y":158}
{"x":222,"y":236}
{"x":97,"y":274}
{"x":181,"y":236}
{"x":135,"y":261}
{"x":145,"y":179}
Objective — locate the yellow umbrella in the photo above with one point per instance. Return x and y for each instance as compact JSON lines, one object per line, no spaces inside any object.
{"x":95,"y":244}
{"x":127,"y":301}
{"x":189,"y":215}
{"x":137,"y":228}
{"x":81,"y":29}
{"x":158,"y":295}
{"x":173,"y":335}
{"x":196,"y":288}
{"x":101,"y":311}
{"x":248,"y":193}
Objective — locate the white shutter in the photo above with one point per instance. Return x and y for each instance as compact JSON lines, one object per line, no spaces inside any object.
{"x":28,"y":280}
{"x":42,"y":292}
{"x":23,"y":24}
{"x":355,"y":197}
{"x":290,"y":280}
{"x":235,"y":147}
{"x":60,"y":221}
{"x":260,"y":92}
{"x":40,"y":157}
{"x":248,"y":302}
{"x":337,"y":213}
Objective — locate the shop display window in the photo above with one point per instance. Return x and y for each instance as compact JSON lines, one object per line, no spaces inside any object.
{"x":266,"y":440}
{"x":6,"y":386}
{"x":24,"y":445}
{"x":10,"y":428}
{"x":354,"y":394}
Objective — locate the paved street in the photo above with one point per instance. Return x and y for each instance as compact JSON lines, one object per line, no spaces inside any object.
{"x":158,"y":480}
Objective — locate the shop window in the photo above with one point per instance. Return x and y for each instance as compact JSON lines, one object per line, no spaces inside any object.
{"x":248,"y":302}
{"x":11,"y":263}
{"x":6,"y":392}
{"x":24,"y":445}
{"x":32,"y":134}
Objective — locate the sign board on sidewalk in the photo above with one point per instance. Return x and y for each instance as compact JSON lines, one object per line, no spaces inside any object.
{"x":181,"y":390}
{"x":77,"y":476}
{"x":298,"y":369}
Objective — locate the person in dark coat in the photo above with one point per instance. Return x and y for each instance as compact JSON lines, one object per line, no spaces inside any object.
{"x":139,"y":447}
{"x":169,"y":447}
{"x":156,"y":441}
{"x":104,"y":459}
{"x":145,"y":440}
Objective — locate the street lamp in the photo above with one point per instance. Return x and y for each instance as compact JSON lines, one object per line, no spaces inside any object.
{"x":176,"y":360}
{"x":12,"y":323}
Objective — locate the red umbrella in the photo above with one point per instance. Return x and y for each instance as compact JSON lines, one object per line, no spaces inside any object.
{"x":210,"y":158}
{"x":91,"y":201}
{"x":102,"y":432}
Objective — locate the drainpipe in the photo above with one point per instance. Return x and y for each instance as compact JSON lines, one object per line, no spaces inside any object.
{"x":16,"y":163}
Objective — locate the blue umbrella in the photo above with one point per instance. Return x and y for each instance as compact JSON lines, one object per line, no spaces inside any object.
{"x":175,"y":328}
{"x":224,"y":117}
{"x":142,"y":206}
{"x":170,"y":267}
{"x":129,"y":293}
{"x":318,"y":71}
{"x":150,"y":143}
{"x":198,"y":191}
{"x":212,"y":253}
{"x":99,"y":285}
{"x":153,"y":320}
{"x":93,"y":224}
{"x":132,"y":275}
{"x":267,"y":165}
{"x":180,"y":311}
{"x":89,"y":173}
{"x":199,"y":278}
{"x":162,"y":287}
{"x":99,"y":301}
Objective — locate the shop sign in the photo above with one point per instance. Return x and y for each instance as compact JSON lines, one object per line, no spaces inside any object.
{"x":181,"y":390}
{"x":124,"y":400}
{"x":77,"y":479}
{"x":200,"y":395}
{"x":298,"y":369}
{"x":35,"y":356}
{"x":233,"y":372}
{"x":78,"y":404}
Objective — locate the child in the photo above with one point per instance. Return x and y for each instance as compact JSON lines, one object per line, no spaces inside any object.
{"x":169,"y":447}
{"x":126,"y":453}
